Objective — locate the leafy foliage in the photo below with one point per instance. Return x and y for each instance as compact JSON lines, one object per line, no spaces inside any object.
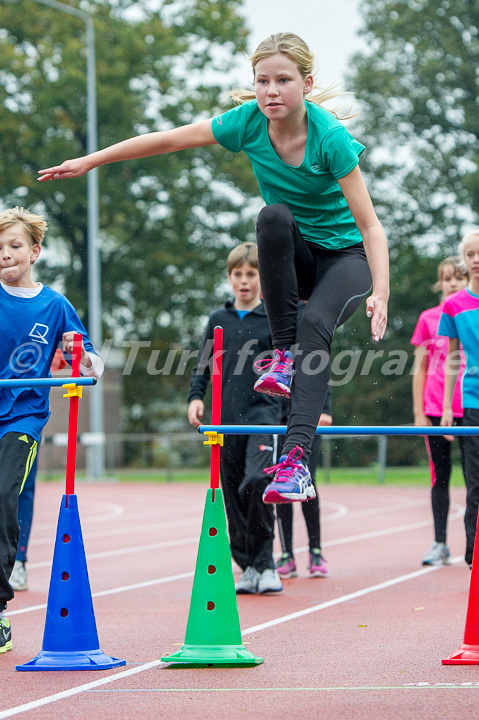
{"x":167,"y":222}
{"x":416,"y":85}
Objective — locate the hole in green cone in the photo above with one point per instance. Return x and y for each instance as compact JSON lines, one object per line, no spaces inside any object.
{"x":211,"y":569}
{"x":213,"y":531}
{"x":210,"y":605}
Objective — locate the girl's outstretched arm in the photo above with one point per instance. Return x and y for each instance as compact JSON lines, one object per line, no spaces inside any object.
{"x":155,"y":143}
{"x":375,"y":245}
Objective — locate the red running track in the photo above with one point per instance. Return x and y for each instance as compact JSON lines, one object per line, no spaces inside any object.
{"x":367,"y":642}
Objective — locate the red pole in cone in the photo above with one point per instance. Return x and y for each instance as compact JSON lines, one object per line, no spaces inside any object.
{"x":217,"y":371}
{"x":73,"y":420}
{"x":468,"y":653}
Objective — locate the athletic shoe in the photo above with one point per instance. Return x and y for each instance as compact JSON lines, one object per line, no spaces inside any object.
{"x":438,"y":555}
{"x":269,"y":581}
{"x":317,"y":564}
{"x":18,"y":578}
{"x":280,"y":370}
{"x":286,"y":566}
{"x":248,"y":582}
{"x":292,"y":481}
{"x":5,"y":634}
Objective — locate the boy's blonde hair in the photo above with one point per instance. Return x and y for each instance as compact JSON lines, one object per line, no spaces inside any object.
{"x":298,"y":52}
{"x":458,"y":266}
{"x":468,"y":236}
{"x":247,"y":252}
{"x":34,"y":225}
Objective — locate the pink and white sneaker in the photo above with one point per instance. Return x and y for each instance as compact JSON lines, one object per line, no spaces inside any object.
{"x":280,"y":370}
{"x":292,"y":481}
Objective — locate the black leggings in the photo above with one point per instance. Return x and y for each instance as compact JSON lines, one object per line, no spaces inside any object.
{"x":334,"y":282}
{"x":439,"y":454}
{"x":17,"y":454}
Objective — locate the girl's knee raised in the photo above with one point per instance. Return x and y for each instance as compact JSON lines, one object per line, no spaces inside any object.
{"x":274,"y":221}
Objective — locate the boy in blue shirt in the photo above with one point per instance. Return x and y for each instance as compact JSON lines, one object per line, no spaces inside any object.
{"x":34,"y":320}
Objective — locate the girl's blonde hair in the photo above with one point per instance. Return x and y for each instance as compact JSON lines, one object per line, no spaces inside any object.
{"x":463,"y":243}
{"x":34,"y":225}
{"x":457,"y":265}
{"x":298,"y":52}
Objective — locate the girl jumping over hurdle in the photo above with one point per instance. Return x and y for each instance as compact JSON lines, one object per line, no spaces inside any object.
{"x":319,"y":238}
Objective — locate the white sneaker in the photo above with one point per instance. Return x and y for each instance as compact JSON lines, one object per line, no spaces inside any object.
{"x":248,"y":582}
{"x":269,"y":581}
{"x":438,"y":555}
{"x":19,"y":578}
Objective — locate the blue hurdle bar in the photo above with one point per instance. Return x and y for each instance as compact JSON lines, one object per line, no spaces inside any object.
{"x":341,"y":430}
{"x":46,"y":382}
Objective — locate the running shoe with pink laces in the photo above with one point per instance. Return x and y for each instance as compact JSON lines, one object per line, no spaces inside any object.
{"x":292,"y":481}
{"x":280,"y":370}
{"x":317,"y":564}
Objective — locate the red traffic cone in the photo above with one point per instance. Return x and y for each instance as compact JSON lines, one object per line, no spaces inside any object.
{"x":468,"y":653}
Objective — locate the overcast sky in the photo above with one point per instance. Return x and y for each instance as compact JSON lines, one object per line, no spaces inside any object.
{"x":329,"y":27}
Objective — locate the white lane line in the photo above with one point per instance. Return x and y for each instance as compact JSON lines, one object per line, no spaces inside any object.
{"x":76,"y":690}
{"x":156,"y":663}
{"x":159,"y":525}
{"x":113,"y":591}
{"x":126,"y":551}
{"x":174,"y":543}
{"x":458,"y":513}
{"x":341,"y":511}
{"x":349,"y":596}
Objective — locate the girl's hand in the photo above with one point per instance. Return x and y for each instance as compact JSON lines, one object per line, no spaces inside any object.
{"x":68,"y":169}
{"x":377,"y":310}
{"x":447,"y":420}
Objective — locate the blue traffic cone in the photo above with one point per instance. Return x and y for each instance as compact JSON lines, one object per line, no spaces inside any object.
{"x":70,"y":640}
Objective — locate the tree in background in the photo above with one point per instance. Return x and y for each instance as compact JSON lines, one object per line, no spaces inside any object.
{"x":417,"y":87}
{"x":167,"y":223}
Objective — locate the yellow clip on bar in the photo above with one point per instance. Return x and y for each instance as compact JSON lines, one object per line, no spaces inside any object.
{"x":214,"y":438}
{"x":72,"y":390}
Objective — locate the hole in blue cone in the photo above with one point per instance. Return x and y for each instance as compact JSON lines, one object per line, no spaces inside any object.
{"x":211,"y":569}
{"x":210,"y":605}
{"x":65,"y":575}
{"x":63,"y":612}
{"x":213,"y":531}
{"x":66,"y":538}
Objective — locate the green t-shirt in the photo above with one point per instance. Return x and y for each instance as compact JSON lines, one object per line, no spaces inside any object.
{"x":310,"y":191}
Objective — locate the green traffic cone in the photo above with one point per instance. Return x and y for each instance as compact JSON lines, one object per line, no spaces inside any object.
{"x":213,"y":635}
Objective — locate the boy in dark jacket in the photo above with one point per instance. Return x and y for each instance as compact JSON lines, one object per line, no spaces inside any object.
{"x":246,"y":335}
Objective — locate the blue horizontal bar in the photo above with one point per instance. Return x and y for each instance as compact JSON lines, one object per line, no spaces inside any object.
{"x":46,"y":382}
{"x":342,"y":430}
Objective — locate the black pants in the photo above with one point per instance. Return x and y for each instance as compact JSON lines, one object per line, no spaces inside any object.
{"x":439,"y":453}
{"x":334,"y":282}
{"x":17,"y":453}
{"x":471,"y":470}
{"x":311,"y":509}
{"x":250,"y":521}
